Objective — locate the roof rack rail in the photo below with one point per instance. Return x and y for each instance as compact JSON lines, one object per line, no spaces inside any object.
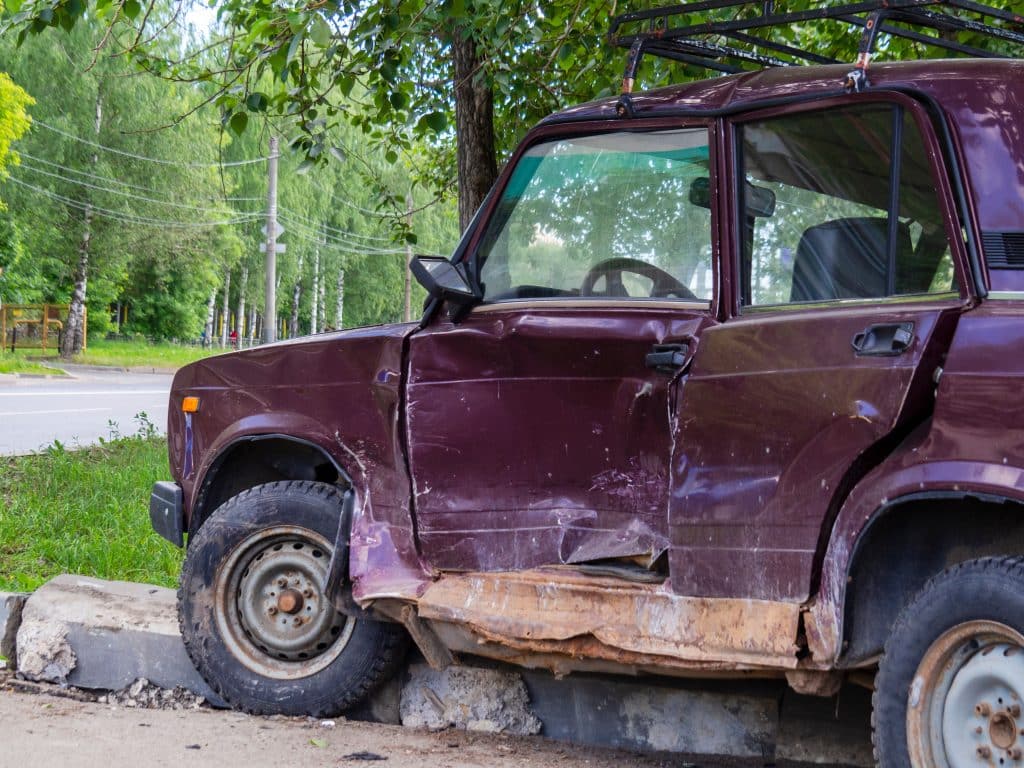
{"x":733,"y":45}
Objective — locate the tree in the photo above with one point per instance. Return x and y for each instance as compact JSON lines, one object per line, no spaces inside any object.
{"x":14,"y":122}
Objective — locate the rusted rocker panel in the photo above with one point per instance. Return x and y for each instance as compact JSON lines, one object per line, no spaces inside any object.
{"x":566,"y":611}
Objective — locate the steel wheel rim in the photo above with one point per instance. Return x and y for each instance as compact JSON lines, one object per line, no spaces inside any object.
{"x":965,"y":699}
{"x":270,"y":607}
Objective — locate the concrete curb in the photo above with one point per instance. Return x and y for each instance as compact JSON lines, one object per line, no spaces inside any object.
{"x":106,"y":635}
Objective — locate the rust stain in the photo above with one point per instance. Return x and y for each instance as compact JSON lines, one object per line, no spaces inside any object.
{"x":548,"y":610}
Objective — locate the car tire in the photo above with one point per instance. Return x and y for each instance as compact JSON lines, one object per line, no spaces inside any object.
{"x":253,"y":615}
{"x":951,"y":682}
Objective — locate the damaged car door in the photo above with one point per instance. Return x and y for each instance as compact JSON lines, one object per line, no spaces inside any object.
{"x":538,"y":424}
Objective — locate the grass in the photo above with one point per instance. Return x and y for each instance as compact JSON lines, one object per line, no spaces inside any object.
{"x":113,"y":353}
{"x":84,"y":512}
{"x":132,"y":354}
{"x":17,"y":363}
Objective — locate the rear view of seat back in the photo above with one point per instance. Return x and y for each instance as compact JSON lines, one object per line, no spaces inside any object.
{"x":846,"y":259}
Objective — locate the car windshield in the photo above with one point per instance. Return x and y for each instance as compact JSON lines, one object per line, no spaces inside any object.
{"x":638,"y":201}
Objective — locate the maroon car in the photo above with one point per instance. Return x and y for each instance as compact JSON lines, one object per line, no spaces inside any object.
{"x":723,"y":380}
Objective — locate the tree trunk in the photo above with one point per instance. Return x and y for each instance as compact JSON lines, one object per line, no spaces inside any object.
{"x":252,"y":325}
{"x":474,"y":127}
{"x":314,"y":297}
{"x":225,"y":311}
{"x":208,"y":328}
{"x":323,"y":300}
{"x":74,"y":328}
{"x":339,"y":308}
{"x":293,"y":325}
{"x":240,"y":315}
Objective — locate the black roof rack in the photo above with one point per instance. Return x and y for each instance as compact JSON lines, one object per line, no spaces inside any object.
{"x":735,"y":44}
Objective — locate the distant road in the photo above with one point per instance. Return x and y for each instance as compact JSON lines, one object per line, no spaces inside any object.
{"x":79,"y":411}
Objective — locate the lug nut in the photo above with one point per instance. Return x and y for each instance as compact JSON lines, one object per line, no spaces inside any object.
{"x":979,"y":730}
{"x":298,"y":621}
{"x":282,"y":582}
{"x":1014,"y":710}
{"x":1015,"y":753}
{"x":983,"y":709}
{"x":307,"y":592}
{"x":984,"y":753}
{"x":272,"y":610}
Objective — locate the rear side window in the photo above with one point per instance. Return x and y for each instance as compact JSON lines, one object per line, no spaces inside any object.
{"x":839,"y":205}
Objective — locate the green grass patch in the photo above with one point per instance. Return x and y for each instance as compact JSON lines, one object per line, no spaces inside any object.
{"x":84,"y":512}
{"x":132,"y":354}
{"x":18,"y":363}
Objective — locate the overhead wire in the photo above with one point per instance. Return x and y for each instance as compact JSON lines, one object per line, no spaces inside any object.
{"x":161,"y":161}
{"x":335,"y":230}
{"x":128,"y":217}
{"x":129,"y":195}
{"x":120,"y":182}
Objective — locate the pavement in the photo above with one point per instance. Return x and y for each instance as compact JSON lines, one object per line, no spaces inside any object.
{"x":79,"y":409}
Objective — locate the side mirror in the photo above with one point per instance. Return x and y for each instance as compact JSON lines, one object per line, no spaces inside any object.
{"x":443,"y":280}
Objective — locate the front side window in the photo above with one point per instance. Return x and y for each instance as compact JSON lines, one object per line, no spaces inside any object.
{"x":839,"y":205}
{"x":622,"y":215}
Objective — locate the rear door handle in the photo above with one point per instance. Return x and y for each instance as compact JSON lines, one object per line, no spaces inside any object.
{"x":883,"y":340}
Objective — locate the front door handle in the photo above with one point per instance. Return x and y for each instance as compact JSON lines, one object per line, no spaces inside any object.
{"x":668,"y":358}
{"x":884,"y":340}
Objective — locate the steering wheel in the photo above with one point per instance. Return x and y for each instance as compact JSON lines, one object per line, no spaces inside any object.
{"x":663,"y":285}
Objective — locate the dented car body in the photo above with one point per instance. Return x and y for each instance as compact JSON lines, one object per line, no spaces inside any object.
{"x":737,"y":380}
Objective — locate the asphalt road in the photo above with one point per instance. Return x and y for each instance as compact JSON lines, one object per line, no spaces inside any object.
{"x":78,"y":411}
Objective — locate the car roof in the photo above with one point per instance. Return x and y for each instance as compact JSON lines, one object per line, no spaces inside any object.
{"x":946,"y":80}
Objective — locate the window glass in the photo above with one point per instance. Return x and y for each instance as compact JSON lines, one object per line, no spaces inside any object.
{"x":617,"y":215}
{"x":815,"y":202}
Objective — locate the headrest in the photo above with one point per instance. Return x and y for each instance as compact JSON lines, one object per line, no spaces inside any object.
{"x":846,"y":259}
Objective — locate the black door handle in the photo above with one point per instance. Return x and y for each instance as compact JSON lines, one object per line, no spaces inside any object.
{"x":668,"y":358}
{"x":884,"y":340}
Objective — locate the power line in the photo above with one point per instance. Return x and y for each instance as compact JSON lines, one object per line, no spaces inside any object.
{"x":348,"y":203}
{"x":129,"y":218}
{"x":336,"y":230}
{"x":233,"y":163}
{"x":113,"y":180}
{"x":312,"y":235}
{"x":129,"y":195}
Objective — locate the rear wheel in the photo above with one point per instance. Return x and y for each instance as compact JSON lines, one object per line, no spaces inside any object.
{"x":253,"y":614}
{"x":950,"y":687}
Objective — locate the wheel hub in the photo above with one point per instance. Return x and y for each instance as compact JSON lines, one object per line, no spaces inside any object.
{"x":1002,"y":730}
{"x":271,"y":606}
{"x":983,"y":708}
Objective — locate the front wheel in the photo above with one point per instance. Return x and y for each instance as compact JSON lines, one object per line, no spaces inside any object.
{"x":950,"y":685}
{"x":253,"y":615}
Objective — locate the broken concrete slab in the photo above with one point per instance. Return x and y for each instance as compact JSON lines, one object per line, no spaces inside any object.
{"x":105,"y":634}
{"x":469,"y":698}
{"x":11,"y":604}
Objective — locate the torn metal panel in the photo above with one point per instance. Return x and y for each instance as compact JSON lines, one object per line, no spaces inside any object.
{"x":605,"y":618}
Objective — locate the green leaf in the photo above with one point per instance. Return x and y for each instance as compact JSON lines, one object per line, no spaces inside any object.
{"x":320,"y":32}
{"x":257,"y":102}
{"x":399,"y":100}
{"x":437,"y":121}
{"x":132,"y":8}
{"x":238,"y":122}
{"x":391,"y":156}
{"x":318,"y":742}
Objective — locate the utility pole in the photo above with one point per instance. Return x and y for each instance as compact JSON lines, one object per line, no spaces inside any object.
{"x":406,"y":307}
{"x":270,"y":289}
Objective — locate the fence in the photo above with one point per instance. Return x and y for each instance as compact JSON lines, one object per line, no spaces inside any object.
{"x":34,"y":326}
